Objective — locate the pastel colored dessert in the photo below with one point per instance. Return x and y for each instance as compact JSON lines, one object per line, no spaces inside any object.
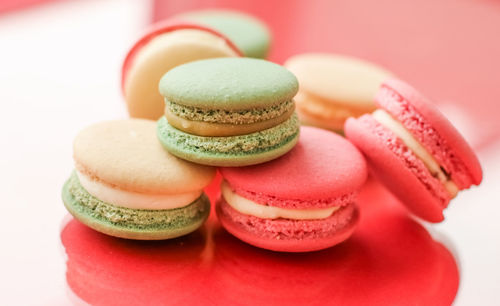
{"x":126,"y":185}
{"x":334,"y":87}
{"x":247,"y":32}
{"x":303,"y":201}
{"x":414,"y":150}
{"x":164,"y":46}
{"x":229,"y":111}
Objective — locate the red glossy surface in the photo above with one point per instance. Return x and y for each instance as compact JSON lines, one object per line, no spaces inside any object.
{"x":448,"y":49}
{"x":390,"y":259}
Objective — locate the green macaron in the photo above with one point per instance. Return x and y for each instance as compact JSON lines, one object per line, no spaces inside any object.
{"x":129,"y":223}
{"x":228,"y":111}
{"x":126,"y":185}
{"x":248,"y":33}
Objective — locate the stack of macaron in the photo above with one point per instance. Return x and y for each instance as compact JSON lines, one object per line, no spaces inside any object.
{"x":285,"y":187}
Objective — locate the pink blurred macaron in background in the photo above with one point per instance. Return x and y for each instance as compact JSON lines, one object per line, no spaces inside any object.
{"x":414,"y":150}
{"x":164,"y":46}
{"x":302,"y":201}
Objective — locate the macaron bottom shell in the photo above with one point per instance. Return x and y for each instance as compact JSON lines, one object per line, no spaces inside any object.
{"x":285,"y":235}
{"x":231,"y":151}
{"x":133,"y":223}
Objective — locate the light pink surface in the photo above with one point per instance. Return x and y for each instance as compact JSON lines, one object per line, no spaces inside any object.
{"x":323,"y":165}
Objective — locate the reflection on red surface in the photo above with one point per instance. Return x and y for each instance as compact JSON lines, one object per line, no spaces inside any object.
{"x":391,"y":259}
{"x":448,"y":49}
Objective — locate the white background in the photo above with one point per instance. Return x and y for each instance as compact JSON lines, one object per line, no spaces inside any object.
{"x":59,"y":72}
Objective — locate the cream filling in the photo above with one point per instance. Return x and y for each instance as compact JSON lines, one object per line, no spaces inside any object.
{"x":386,"y":120}
{"x":248,"y":207}
{"x":135,"y":200}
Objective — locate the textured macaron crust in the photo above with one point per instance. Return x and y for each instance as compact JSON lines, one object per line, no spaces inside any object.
{"x":285,"y":235}
{"x":232,"y":84}
{"x":425,"y":189}
{"x":230,"y":151}
{"x":323,"y":170}
{"x":229,"y":111}
{"x":334,"y":87}
{"x":164,"y":46}
{"x":133,"y":223}
{"x":247,"y":32}
{"x":127,"y":185}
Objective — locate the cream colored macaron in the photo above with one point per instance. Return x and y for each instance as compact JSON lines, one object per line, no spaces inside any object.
{"x":126,"y":185}
{"x":162,"y":48}
{"x":334,"y":87}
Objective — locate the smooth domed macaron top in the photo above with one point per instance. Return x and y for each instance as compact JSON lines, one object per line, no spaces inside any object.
{"x":439,"y":122}
{"x":344,"y":80}
{"x":322,"y":165}
{"x":229,"y":83}
{"x":247,"y":32}
{"x":127,"y":155}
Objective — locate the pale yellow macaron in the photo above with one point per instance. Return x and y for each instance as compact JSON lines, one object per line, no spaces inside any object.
{"x":126,"y":185}
{"x":163,"y":47}
{"x":334,"y":87}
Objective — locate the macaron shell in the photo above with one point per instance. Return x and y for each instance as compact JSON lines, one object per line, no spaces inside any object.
{"x":322,"y":165}
{"x":165,"y":27}
{"x":127,"y":155}
{"x":393,"y":172}
{"x":190,"y":147}
{"x":229,"y":84}
{"x":343,"y":80}
{"x":130,"y":231}
{"x":438,"y":122}
{"x":140,"y":79}
{"x":267,"y":234}
{"x":248,"y":33}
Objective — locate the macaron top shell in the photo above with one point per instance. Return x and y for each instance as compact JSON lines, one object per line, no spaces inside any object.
{"x":247,"y":32}
{"x":229,"y":83}
{"x":433,"y":130}
{"x":127,"y":155}
{"x":162,"y":28}
{"x":344,"y":80}
{"x":322,"y":165}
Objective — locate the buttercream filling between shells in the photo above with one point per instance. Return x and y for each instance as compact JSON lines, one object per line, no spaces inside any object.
{"x":245,"y":116}
{"x":135,"y":200}
{"x":249,"y":207}
{"x":387,"y":121}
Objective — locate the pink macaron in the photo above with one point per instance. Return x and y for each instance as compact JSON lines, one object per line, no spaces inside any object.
{"x":302,"y":201}
{"x":414,"y":150}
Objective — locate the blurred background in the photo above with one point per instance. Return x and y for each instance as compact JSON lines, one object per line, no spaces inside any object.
{"x":60,"y":64}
